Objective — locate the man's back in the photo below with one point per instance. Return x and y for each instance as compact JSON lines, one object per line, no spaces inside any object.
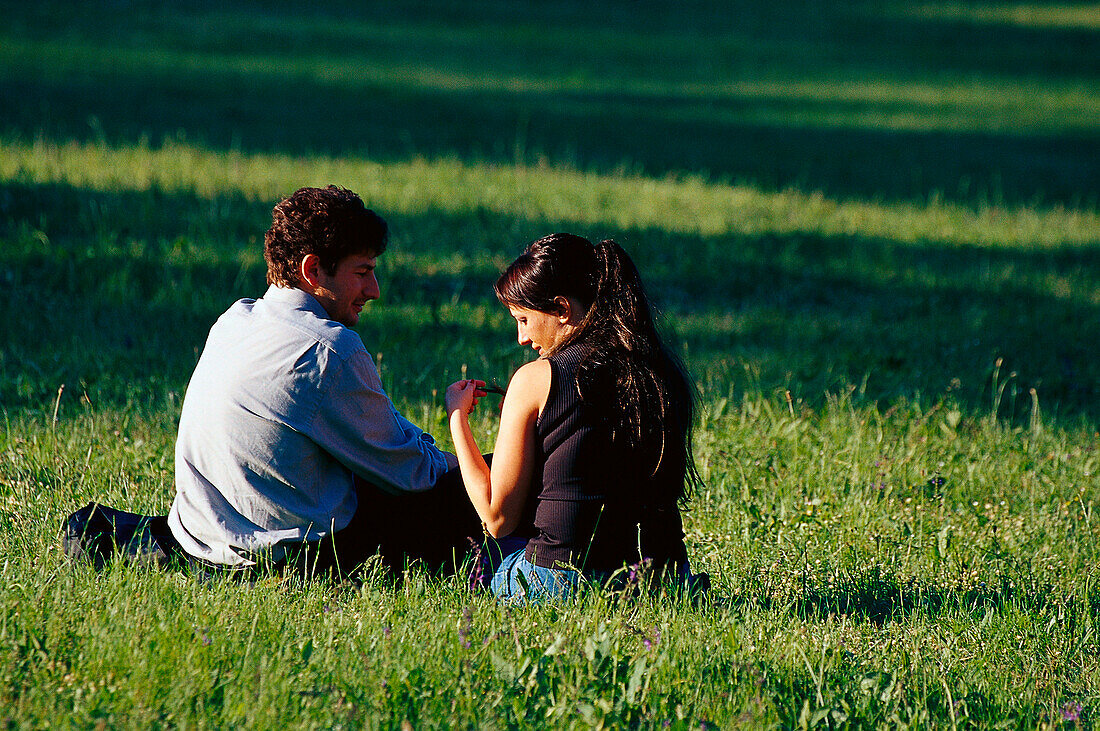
{"x":284,"y":406}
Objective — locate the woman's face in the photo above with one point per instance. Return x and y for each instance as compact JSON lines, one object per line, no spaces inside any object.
{"x":543,"y":331}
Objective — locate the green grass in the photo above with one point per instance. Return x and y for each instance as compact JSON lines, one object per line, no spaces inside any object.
{"x":873,"y":234}
{"x":870,"y":99}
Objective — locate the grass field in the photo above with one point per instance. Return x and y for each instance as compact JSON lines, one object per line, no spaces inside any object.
{"x":873,"y":231}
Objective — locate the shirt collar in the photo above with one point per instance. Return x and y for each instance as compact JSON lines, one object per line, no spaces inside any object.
{"x":297,"y":299}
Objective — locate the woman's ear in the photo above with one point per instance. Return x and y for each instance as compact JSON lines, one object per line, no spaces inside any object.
{"x":564,"y":308}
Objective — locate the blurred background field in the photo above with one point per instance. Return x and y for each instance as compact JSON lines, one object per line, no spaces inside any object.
{"x":872,"y":229}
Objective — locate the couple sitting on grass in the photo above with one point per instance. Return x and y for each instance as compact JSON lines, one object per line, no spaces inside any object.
{"x":290,"y":453}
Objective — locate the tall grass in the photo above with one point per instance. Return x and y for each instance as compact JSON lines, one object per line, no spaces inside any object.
{"x":907,"y":567}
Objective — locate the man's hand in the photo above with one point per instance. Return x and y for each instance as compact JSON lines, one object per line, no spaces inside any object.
{"x":463,"y":395}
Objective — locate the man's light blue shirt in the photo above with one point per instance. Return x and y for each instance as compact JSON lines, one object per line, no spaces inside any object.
{"x":283,"y":407}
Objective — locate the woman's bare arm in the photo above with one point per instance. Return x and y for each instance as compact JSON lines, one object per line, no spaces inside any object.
{"x":498,"y":494}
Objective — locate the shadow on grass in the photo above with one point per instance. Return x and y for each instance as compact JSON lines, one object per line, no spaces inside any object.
{"x":881,"y":599}
{"x":123,"y":299}
{"x":652,"y":136}
{"x":505,"y":82}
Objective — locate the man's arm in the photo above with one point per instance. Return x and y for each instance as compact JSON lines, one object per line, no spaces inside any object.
{"x":358,"y":425}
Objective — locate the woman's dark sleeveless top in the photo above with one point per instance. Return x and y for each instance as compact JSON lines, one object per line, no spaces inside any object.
{"x":596,"y":507}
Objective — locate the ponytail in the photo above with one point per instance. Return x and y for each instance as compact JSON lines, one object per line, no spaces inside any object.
{"x":620,"y":308}
{"x":629,"y":370}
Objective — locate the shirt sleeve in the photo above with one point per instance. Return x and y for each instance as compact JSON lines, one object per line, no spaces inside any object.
{"x":358,"y":425}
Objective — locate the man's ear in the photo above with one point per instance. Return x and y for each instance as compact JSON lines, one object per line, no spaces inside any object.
{"x":309,"y":270}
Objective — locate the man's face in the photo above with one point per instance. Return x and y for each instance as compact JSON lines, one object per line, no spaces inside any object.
{"x":344,"y":293}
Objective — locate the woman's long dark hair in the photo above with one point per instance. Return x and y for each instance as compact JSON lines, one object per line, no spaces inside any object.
{"x":627,"y":372}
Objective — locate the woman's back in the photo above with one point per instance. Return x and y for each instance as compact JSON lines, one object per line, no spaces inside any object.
{"x":597,"y":505}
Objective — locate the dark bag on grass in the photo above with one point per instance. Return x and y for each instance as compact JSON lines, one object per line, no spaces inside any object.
{"x":98,"y":533}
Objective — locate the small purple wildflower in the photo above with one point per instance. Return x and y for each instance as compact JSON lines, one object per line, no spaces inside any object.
{"x":206,"y":640}
{"x":477,"y":571}
{"x":638,"y":570}
{"x":1072,"y":711}
{"x":386,"y":630}
{"x":650,"y":640}
{"x":466,"y":626}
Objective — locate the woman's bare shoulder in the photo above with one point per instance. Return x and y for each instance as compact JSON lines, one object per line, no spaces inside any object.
{"x":535,"y":370}
{"x":531,"y":381}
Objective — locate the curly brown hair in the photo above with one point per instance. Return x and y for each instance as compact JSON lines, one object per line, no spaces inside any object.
{"x":331,"y":222}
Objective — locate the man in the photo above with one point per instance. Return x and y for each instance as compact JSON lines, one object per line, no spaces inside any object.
{"x":289,"y":449}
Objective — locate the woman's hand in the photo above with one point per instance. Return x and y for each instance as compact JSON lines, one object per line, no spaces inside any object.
{"x":499,"y":494}
{"x":463,"y":395}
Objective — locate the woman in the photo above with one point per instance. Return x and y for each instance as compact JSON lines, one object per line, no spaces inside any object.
{"x":594,"y":447}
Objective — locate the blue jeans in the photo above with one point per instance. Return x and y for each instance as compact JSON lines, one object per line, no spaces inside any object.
{"x":518,"y":580}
